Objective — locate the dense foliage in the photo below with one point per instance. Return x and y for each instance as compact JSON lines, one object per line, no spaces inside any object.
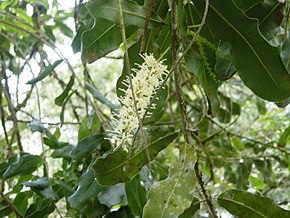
{"x":169,"y":108}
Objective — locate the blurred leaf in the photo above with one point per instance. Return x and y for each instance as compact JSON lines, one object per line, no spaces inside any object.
{"x":21,"y":200}
{"x":224,"y":65}
{"x":172,"y":196}
{"x":42,"y":187}
{"x":48,"y":70}
{"x":87,"y":146}
{"x":24,"y":164}
{"x":261,"y":105}
{"x":118,"y":166}
{"x":113,"y":195}
{"x":62,"y":152}
{"x":61,"y":188}
{"x":123,"y":212}
{"x":133,"y":14}
{"x":244,"y":205}
{"x":136,"y":195}
{"x":87,"y":190}
{"x":257,"y":62}
{"x":257,"y":182}
{"x":61,"y":116}
{"x":99,"y":96}
{"x":41,"y":212}
{"x":36,"y":126}
{"x":196,"y":66}
{"x":284,"y":137}
{"x":189,"y":213}
{"x":60,"y":99}
{"x":5,"y":209}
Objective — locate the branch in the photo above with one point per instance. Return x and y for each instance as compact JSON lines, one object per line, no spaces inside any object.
{"x":10,"y":204}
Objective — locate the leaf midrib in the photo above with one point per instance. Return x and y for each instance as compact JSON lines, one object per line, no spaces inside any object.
{"x":132,"y":157}
{"x":246,"y":41}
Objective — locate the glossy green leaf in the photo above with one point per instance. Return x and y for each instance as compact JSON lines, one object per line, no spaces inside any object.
{"x":189,"y":213}
{"x":133,"y":13}
{"x":244,"y":205}
{"x":60,"y":99}
{"x":87,"y":146}
{"x":136,"y":195}
{"x":47,"y":71}
{"x":61,"y":188}
{"x":257,"y":62}
{"x":284,"y":138}
{"x":285,"y":53}
{"x":118,"y":166}
{"x":172,"y":196}
{"x":24,"y":164}
{"x":87,"y":190}
{"x":99,"y":96}
{"x":269,"y":14}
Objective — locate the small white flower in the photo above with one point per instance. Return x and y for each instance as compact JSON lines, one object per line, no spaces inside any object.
{"x":147,"y":80}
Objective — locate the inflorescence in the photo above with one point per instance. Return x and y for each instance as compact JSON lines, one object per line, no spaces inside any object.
{"x":148,"y":79}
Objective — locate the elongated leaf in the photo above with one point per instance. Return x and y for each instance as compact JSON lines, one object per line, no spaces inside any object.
{"x":21,"y":200}
{"x":136,"y":195}
{"x":42,"y":212}
{"x":61,"y":116}
{"x":258,"y":63}
{"x":244,"y":205}
{"x":25,"y":164}
{"x":284,"y":137}
{"x":119,"y":167}
{"x":60,"y":99}
{"x":99,"y":96}
{"x":86,"y":146}
{"x":45,"y":72}
{"x":62,"y":152}
{"x":188,"y":213}
{"x":133,"y":13}
{"x":172,"y":196}
{"x":86,"y":191}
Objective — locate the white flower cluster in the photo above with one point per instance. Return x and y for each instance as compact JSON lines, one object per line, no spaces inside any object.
{"x":148,"y":79}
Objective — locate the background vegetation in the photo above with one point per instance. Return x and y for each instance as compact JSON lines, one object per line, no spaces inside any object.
{"x":216,"y":145}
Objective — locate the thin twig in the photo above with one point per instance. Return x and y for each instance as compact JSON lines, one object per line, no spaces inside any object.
{"x":10,"y":204}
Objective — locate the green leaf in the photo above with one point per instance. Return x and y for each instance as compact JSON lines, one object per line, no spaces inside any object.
{"x":5,"y":209}
{"x":189,"y":213}
{"x":136,"y":195}
{"x":133,"y":14}
{"x":247,"y":4}
{"x":36,"y":126}
{"x":87,"y":146}
{"x":24,"y":164}
{"x":48,"y":70}
{"x":207,"y":81}
{"x":258,"y":63}
{"x":87,"y":190}
{"x":41,"y":212}
{"x":118,"y":166}
{"x":285,"y":53}
{"x":284,"y":138}
{"x":62,"y":152}
{"x":103,"y":38}
{"x":244,"y":205}
{"x":172,"y":196}
{"x":21,"y":200}
{"x":42,"y":187}
{"x":99,"y":96}
{"x":60,"y":99}
{"x":61,"y":116}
